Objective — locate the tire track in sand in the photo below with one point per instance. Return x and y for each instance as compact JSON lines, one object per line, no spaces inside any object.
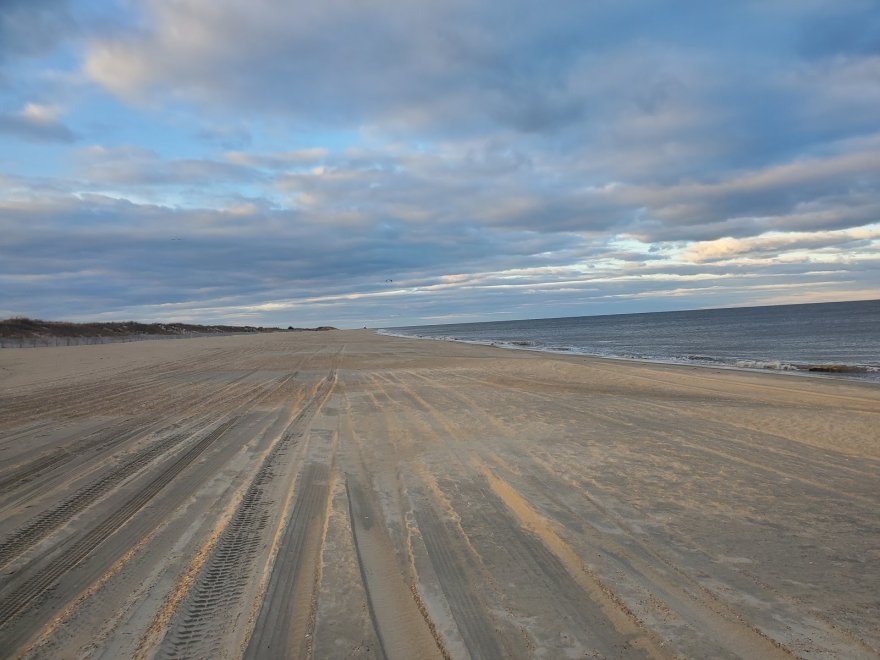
{"x":42,"y":573}
{"x":283,"y":620}
{"x":197,"y":628}
{"x":49,"y":521}
{"x":469,"y":613}
{"x":547,"y":555}
{"x":456,"y":568}
{"x":400,"y":625}
{"x":701,"y":615}
{"x":18,"y":599}
{"x":99,"y":397}
{"x":726,"y":629}
{"x":27,"y":472}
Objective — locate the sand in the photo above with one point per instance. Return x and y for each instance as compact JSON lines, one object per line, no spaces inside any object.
{"x":343,"y":494}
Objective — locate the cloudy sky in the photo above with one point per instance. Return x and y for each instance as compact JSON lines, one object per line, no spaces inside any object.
{"x":394,"y":162}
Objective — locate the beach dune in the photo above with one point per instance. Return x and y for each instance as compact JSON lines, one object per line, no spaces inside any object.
{"x":345,"y":494}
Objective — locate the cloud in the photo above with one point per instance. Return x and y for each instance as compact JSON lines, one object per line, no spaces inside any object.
{"x":226,"y":137}
{"x":273,"y":265}
{"x":727,"y":248}
{"x":491,"y":185}
{"x":840,"y":85}
{"x":850,"y":27}
{"x":137,"y":166}
{"x":36,"y":122}
{"x":32,"y":27}
{"x":280,"y":160}
{"x":491,"y":158}
{"x":829,"y":192}
{"x":454,"y":66}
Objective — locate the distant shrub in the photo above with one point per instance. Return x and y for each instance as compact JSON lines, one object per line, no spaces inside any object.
{"x":23,"y":327}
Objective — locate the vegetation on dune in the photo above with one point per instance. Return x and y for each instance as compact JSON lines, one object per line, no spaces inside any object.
{"x":21,"y":327}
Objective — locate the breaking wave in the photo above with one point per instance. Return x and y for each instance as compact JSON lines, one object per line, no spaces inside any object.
{"x":872,"y":372}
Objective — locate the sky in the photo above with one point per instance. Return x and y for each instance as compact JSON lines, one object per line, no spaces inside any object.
{"x":391,"y":162}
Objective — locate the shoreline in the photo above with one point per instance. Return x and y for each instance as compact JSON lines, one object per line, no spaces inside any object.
{"x":823,"y":371}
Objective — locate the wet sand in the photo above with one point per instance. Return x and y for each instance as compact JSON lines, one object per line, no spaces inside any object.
{"x":343,"y":494}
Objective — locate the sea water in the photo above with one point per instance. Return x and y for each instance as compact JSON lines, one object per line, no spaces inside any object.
{"x":832,"y":339}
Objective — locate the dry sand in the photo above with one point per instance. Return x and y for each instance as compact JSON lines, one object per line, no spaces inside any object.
{"x":343,"y":494}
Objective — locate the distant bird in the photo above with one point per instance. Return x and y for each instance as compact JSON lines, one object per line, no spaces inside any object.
{"x":389,"y":280}
{"x":177,"y":238}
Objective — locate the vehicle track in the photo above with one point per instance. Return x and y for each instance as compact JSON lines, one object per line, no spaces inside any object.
{"x":29,"y":477}
{"x":54,"y":518}
{"x":220,"y":583}
{"x":26,"y":430}
{"x":29,"y":473}
{"x":400,"y":622}
{"x":103,"y":394}
{"x":275,"y":624}
{"x":59,"y":457}
{"x":583,"y":607}
{"x":553,"y":557}
{"x":536,"y":564}
{"x":694,"y":603}
{"x":707,"y":441}
{"x":100,"y":398}
{"x":445,"y":499}
{"x":551,"y":554}
{"x":21,"y":595}
{"x":96,"y":395}
{"x":47,"y":522}
{"x":471,"y":617}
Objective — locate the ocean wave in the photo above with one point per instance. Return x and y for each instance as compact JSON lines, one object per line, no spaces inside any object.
{"x":812,"y":368}
{"x":869,"y":371}
{"x":704,"y":358}
{"x":775,"y":365}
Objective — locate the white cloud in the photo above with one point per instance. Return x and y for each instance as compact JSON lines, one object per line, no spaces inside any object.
{"x":773,"y":244}
{"x":36,"y":122}
{"x":279,"y":160}
{"x":40,"y":114}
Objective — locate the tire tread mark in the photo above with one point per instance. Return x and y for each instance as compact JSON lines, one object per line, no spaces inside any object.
{"x":469,"y":614}
{"x":50,"y":520}
{"x":13,"y":603}
{"x":272,"y":627}
{"x":123,"y":383}
{"x":371,"y":607}
{"x":224,"y":577}
{"x":54,"y":459}
{"x":42,"y":526}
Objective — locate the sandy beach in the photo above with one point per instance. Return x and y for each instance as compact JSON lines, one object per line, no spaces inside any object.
{"x":343,"y":494}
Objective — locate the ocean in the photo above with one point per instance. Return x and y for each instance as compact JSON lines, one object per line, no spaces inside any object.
{"x":828,"y":339}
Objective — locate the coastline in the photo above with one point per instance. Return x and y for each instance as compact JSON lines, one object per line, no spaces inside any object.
{"x":866,"y":373}
{"x":431,"y":498}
